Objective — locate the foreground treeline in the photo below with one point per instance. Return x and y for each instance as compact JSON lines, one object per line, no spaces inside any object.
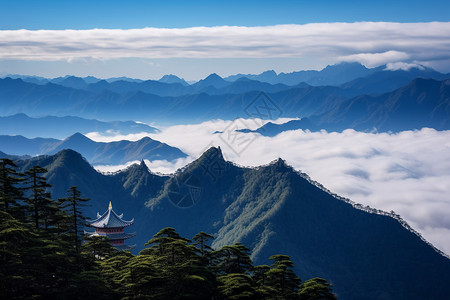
{"x":44,"y":255}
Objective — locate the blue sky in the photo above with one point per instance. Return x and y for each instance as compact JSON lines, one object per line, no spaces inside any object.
{"x":84,"y":14}
{"x":87,"y":15}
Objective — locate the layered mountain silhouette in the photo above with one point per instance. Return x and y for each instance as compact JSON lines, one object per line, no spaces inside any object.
{"x":353,"y":76}
{"x":365,"y":253}
{"x":61,"y":127}
{"x":384,"y":81}
{"x":272,"y":129}
{"x":95,"y":152}
{"x":421,"y":103}
{"x":346,"y":74}
{"x":17,"y":96}
{"x":326,"y":107}
{"x":173,"y":79}
{"x":331,"y":75}
{"x":13,"y":157}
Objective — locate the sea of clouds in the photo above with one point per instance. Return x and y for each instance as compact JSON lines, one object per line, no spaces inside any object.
{"x":407,"y":172}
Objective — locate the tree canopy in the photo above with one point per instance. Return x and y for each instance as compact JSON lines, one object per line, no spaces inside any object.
{"x":44,"y":255}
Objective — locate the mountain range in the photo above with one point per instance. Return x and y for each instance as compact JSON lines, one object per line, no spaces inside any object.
{"x":61,"y":127}
{"x":346,"y":74}
{"x":327,"y":107}
{"x":421,"y":103}
{"x":349,"y":76}
{"x":101,"y":153}
{"x":365,"y":253}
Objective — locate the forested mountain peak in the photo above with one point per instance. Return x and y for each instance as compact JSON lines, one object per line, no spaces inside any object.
{"x":271,"y":209}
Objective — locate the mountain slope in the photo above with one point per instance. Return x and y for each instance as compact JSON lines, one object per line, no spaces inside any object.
{"x":274,"y":209}
{"x":118,"y":152}
{"x":272,"y":129}
{"x":385,"y":80}
{"x":95,"y":152}
{"x":328,"y":107}
{"x":72,"y":82}
{"x":212,"y":80}
{"x":61,"y":127}
{"x":349,"y":75}
{"x":20,"y":145}
{"x":421,"y":103}
{"x":173,"y":79}
{"x":159,"y":88}
{"x":127,"y":190}
{"x":366,"y":254}
{"x":331,"y":75}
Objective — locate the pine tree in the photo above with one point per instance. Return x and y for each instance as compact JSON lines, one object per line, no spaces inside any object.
{"x":316,"y":288}
{"x":232,"y":259}
{"x":201,"y":240}
{"x":14,"y":239}
{"x":39,"y":201}
{"x":76,"y":221}
{"x":10,"y":193}
{"x":116,"y":271}
{"x":184,"y":272}
{"x":282,"y":278}
{"x":236,"y":286}
{"x":167,"y":243}
{"x":98,"y":247}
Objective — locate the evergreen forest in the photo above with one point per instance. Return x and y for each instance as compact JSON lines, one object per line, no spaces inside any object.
{"x":44,"y":254}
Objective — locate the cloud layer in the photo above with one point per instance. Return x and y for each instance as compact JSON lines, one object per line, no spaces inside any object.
{"x":407,"y":172}
{"x":372,"y":43}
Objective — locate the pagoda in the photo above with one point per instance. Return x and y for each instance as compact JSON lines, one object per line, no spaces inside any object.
{"x":111,"y":225}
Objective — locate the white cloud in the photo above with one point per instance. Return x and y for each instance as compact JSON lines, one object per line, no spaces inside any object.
{"x":375,"y":59}
{"x":366,"y":42}
{"x":114,"y":168}
{"x":403,"y":66}
{"x":407,"y":172}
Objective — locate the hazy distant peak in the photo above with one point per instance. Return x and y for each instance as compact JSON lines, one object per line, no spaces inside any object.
{"x":268,"y":73}
{"x":213,"y":76}
{"x":91,"y":79}
{"x":170,"y":78}
{"x":244,"y":79}
{"x":123,"y":78}
{"x":345,"y":67}
{"x":78,"y":137}
{"x":213,"y":80}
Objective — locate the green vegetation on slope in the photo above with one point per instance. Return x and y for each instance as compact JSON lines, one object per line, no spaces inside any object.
{"x":43,"y":255}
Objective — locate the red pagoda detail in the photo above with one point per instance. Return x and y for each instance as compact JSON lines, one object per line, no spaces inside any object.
{"x":112,"y":226}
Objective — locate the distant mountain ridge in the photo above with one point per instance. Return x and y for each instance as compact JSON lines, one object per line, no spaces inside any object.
{"x":173,"y":79}
{"x":214,"y":97}
{"x":61,"y":127}
{"x":17,"y":96}
{"x":334,"y":75}
{"x":102,"y":153}
{"x":348,"y":75}
{"x":365,"y":253}
{"x":421,"y":103}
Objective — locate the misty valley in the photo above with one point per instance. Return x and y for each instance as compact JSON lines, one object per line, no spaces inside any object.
{"x":301,"y":185}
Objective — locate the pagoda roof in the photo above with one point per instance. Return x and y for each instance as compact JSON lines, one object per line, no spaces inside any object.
{"x":124,"y":247}
{"x":113,"y":236}
{"x":109,"y":220}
